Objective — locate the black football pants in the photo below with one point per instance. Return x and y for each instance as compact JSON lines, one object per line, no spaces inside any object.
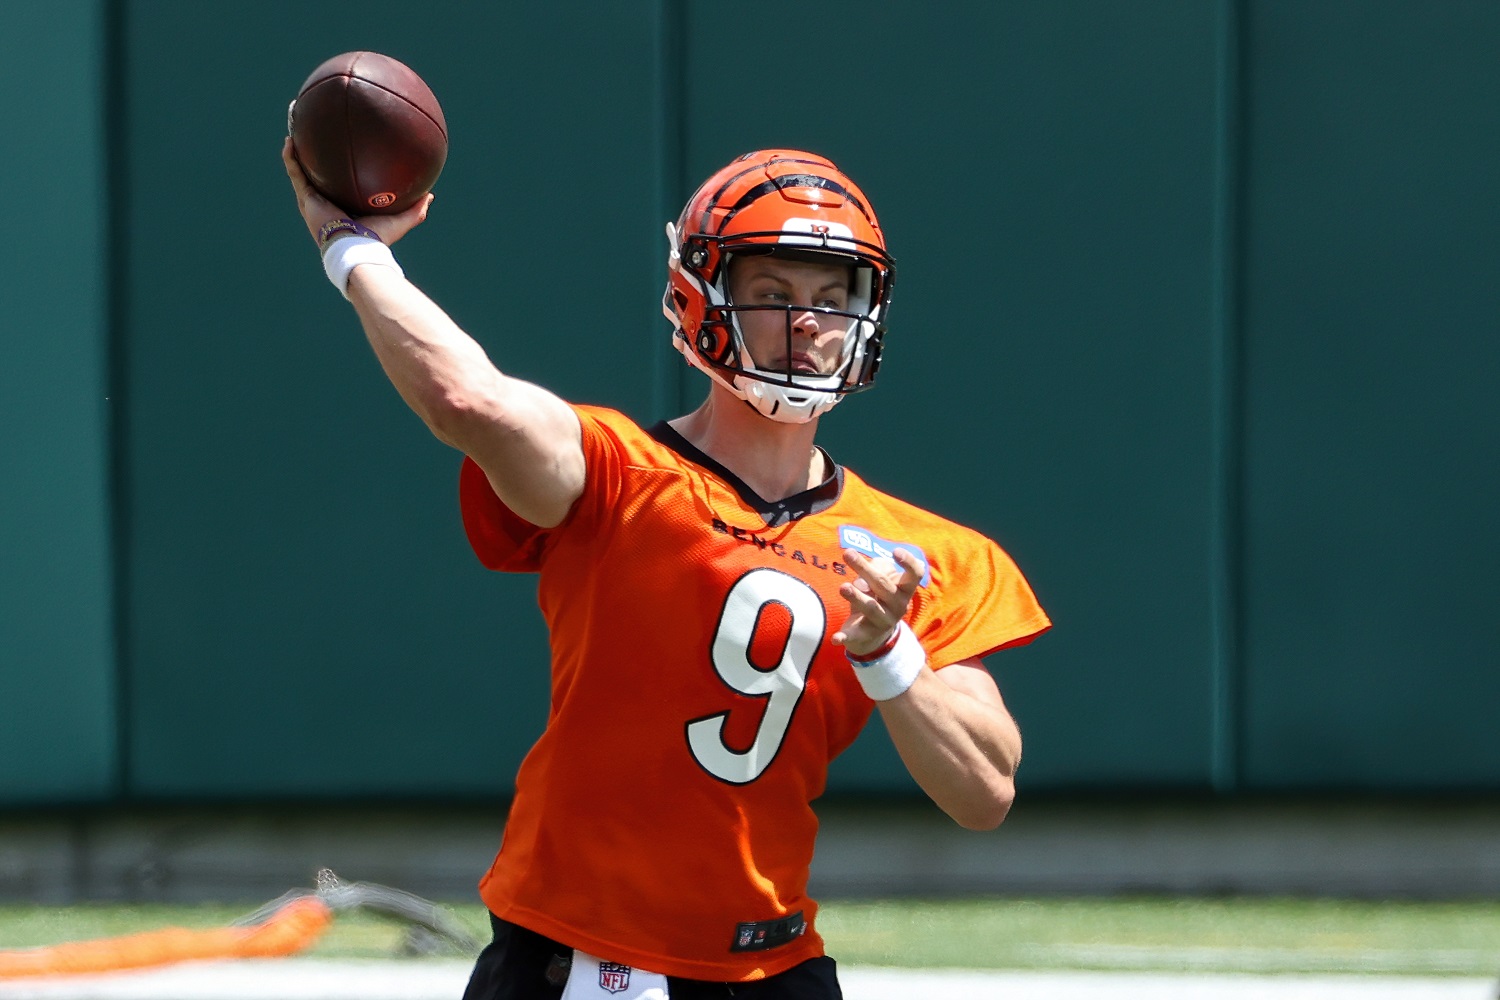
{"x":523,"y":965}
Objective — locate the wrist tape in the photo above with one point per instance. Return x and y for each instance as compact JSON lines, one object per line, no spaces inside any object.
{"x":891,"y":672}
{"x":331,"y":229}
{"x":347,"y":252}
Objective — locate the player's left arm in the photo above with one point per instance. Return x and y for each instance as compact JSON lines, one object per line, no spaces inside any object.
{"x":950,"y":726}
{"x":959,"y":742}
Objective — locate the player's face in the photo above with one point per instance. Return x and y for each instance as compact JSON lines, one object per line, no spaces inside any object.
{"x":799,"y":340}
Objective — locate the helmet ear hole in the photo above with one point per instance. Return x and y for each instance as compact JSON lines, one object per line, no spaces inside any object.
{"x":713,"y":343}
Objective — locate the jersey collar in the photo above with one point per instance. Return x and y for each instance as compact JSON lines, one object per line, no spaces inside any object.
{"x":774,"y":512}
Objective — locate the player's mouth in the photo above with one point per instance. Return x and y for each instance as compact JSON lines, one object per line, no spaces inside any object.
{"x":803,"y":364}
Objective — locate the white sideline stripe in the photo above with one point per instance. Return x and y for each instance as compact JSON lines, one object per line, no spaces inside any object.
{"x":1437,"y":961}
{"x":935,"y":984}
{"x":258,"y":979}
{"x":311,"y":979}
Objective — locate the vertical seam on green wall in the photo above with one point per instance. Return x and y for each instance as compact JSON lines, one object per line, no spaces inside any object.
{"x":667,"y":390}
{"x":1228,"y":397}
{"x":115,"y":107}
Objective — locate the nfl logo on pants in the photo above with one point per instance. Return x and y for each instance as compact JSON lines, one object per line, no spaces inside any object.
{"x":614,"y":977}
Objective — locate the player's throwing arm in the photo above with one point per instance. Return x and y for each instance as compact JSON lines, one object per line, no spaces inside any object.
{"x":525,"y":439}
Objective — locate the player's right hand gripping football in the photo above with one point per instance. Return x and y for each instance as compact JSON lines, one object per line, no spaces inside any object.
{"x":316,"y":210}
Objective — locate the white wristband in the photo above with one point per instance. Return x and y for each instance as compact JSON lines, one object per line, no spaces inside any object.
{"x":893,"y":673}
{"x":347,"y":252}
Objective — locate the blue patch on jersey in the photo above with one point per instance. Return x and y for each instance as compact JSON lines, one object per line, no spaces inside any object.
{"x":866,"y":542}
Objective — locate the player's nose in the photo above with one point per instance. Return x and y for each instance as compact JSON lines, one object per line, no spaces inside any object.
{"x":805,"y":321}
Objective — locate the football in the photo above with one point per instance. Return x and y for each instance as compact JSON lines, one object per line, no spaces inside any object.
{"x":369,"y":133}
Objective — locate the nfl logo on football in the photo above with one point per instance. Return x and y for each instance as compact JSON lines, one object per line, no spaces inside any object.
{"x":614,"y":977}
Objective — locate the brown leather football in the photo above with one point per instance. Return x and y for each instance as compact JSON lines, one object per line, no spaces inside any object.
{"x":369,"y":133}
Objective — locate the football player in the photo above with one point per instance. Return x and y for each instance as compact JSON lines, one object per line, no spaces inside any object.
{"x":727,"y":604}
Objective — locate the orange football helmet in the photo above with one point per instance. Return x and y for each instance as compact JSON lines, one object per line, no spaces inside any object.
{"x":779,"y":202}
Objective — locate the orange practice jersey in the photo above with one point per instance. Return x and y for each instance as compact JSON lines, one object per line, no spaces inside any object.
{"x":663,"y":819}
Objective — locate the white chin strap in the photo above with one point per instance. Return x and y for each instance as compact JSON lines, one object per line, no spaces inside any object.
{"x":783,"y":403}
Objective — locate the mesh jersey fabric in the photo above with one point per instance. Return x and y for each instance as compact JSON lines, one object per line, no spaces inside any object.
{"x":695,"y":699}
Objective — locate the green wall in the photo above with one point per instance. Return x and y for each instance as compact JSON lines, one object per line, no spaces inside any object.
{"x":1372,"y":308}
{"x":57,"y":650}
{"x":1196,"y":315}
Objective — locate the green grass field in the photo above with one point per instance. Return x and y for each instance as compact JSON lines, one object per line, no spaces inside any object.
{"x":1147,"y":933}
{"x":1200,"y":935}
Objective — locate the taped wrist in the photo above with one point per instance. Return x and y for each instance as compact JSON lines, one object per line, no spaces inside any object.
{"x":332,"y":229}
{"x":893,"y":668}
{"x":344,"y":254}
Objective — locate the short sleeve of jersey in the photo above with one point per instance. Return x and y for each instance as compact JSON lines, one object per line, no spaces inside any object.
{"x":978,"y":603}
{"x":973,"y":600}
{"x":507,"y":542}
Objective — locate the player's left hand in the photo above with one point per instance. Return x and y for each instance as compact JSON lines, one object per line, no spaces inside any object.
{"x":878,"y":599}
